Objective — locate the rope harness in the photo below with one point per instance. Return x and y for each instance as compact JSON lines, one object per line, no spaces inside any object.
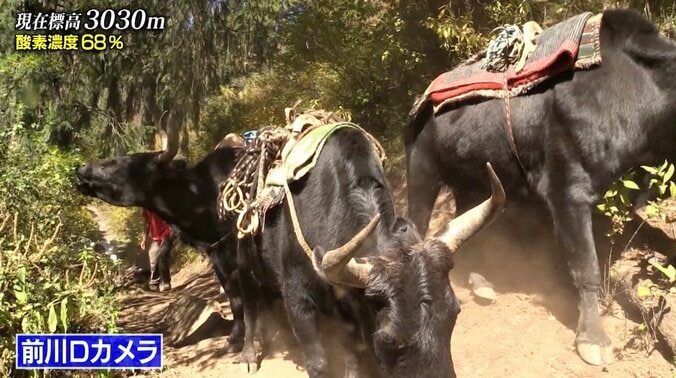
{"x":509,"y":129}
{"x":511,"y":46}
{"x":244,"y":194}
{"x":296,"y":223}
{"x":380,"y":152}
{"x":504,"y":50}
{"x":240,"y":194}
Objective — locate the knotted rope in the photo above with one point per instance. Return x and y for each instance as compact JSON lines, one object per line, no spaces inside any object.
{"x":239,"y":194}
{"x":244,"y":195}
{"x":504,"y":50}
{"x":511,"y":46}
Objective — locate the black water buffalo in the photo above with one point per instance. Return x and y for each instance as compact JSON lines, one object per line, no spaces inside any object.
{"x":575,"y":135}
{"x":396,"y":292}
{"x":184,"y":196}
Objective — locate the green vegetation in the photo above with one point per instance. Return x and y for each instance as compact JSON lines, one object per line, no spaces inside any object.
{"x":124,"y":224}
{"x":218,"y":67}
{"x":50,"y":281}
{"x":617,"y":204}
{"x":223,"y":66}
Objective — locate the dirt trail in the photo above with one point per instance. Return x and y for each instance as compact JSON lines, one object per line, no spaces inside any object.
{"x":527,"y":332}
{"x":127,"y":251}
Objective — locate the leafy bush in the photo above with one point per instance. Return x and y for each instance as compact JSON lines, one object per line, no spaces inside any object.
{"x":369,"y":59}
{"x":48,"y":287}
{"x":617,"y":201}
{"x":125,"y":225}
{"x":463,"y":27}
{"x":260,"y":99}
{"x":50,"y":280}
{"x":660,"y":185}
{"x":36,"y":181}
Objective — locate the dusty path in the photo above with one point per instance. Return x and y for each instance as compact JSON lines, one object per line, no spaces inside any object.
{"x":527,"y":332}
{"x":521,"y":335}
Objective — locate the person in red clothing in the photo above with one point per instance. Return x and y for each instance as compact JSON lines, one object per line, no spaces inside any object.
{"x":159,"y":252}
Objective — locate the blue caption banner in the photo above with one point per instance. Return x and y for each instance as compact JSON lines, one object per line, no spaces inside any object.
{"x":88,"y":351}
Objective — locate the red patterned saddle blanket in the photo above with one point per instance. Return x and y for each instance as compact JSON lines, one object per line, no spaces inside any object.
{"x":569,"y":45}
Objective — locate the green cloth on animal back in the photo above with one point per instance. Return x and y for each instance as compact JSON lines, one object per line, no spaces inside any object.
{"x":304,"y":153}
{"x":301,"y":156}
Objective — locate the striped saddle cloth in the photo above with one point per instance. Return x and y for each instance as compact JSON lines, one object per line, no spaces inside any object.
{"x":569,"y":45}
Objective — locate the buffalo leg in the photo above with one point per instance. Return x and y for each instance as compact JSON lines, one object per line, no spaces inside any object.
{"x":250,"y":299}
{"x":228,"y":278}
{"x":573,"y":224}
{"x":423,"y":187}
{"x":303,"y":316}
{"x":353,"y":341}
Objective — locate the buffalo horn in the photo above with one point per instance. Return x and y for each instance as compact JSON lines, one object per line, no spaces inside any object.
{"x":469,"y":223}
{"x":339,"y":264}
{"x":171,"y":143}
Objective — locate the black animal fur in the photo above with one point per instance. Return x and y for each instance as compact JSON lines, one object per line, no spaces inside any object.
{"x":575,"y":135}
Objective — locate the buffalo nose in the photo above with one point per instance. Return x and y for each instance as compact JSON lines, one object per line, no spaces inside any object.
{"x":81,"y":172}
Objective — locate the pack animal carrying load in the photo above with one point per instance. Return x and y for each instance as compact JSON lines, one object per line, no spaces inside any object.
{"x":276,"y":157}
{"x":518,"y":60}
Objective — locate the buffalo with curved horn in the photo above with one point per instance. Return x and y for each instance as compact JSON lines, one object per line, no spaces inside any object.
{"x":387,"y":284}
{"x":389,"y":287}
{"x":340,"y":266}
{"x":574,"y":134}
{"x":183,"y":196}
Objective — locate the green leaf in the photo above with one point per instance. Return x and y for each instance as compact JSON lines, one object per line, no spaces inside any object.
{"x":20,"y":296}
{"x":651,"y":170}
{"x":672,"y":189}
{"x":64,"y":314}
{"x":51,"y":320}
{"x":669,"y":271}
{"x":669,"y":174}
{"x":624,"y":199}
{"x":26,"y":324}
{"x":663,"y":189}
{"x":22,"y":275}
{"x":630,"y":185}
{"x":664,"y":165}
{"x":643,"y":292}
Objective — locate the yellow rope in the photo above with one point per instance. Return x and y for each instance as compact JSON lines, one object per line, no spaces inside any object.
{"x":296,"y":224}
{"x":237,"y":192}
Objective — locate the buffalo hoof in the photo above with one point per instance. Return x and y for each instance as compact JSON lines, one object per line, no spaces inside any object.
{"x":248,"y":360}
{"x":595,"y":354}
{"x":249,"y":368}
{"x":233,"y":347}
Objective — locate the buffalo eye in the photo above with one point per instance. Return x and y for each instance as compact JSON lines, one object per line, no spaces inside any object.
{"x":425,"y":301}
